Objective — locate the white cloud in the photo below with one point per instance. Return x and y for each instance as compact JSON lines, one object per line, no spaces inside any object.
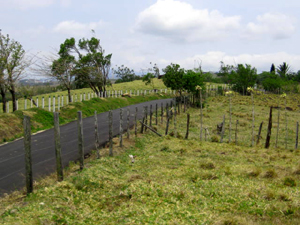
{"x":277,"y":25}
{"x":71,"y":27}
{"x":179,"y":21}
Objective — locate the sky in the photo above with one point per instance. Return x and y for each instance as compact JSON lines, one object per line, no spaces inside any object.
{"x":187,"y":32}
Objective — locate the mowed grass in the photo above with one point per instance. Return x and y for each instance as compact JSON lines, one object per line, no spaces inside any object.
{"x":172,"y":181}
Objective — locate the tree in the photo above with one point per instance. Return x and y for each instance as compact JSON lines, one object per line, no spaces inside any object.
{"x":12,"y":65}
{"x":125,"y":74}
{"x":225,"y":72}
{"x":271,"y":81}
{"x":173,"y":77}
{"x":4,"y":44}
{"x":272,"y":69}
{"x":191,"y":80}
{"x":148,"y":79}
{"x":243,"y":77}
{"x":63,"y":70}
{"x":153,"y":72}
{"x":92,"y":65}
{"x":283,"y":70}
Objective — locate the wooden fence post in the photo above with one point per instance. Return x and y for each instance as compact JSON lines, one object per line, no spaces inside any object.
{"x":167,"y":125}
{"x":201,"y":115}
{"x":229,"y":134}
{"x":142,"y":127}
{"x":267,"y":145}
{"x":167,"y":110}
{"x":80,"y":139}
{"x":135,"y":121}
{"x":28,"y":157}
{"x":151,"y":113}
{"x":110,"y":119}
{"x":175,"y":130}
{"x":121,"y":128}
{"x":53,"y":104}
{"x":223,"y":130}
{"x":277,"y":131}
{"x":128,"y":123}
{"x":286,"y":125}
{"x":59,"y":168}
{"x":96,"y":135}
{"x":253,"y":118}
{"x":187,"y":126}
{"x":162,"y":113}
{"x":297,"y":131}
{"x":236,"y":131}
{"x":156,"y":120}
{"x":146,"y":117}
{"x":259,"y":133}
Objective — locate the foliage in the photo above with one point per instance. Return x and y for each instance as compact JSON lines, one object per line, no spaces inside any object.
{"x":271,"y":81}
{"x":92,"y":64}
{"x":242,"y":77}
{"x":191,"y":80}
{"x":173,"y":77}
{"x":225,"y":72}
{"x":12,"y":65}
{"x":125,"y":74}
{"x":272,"y":69}
{"x":62,"y":69}
{"x":178,"y":79}
{"x":152,"y":73}
{"x":283,"y":70}
{"x":148,"y":79}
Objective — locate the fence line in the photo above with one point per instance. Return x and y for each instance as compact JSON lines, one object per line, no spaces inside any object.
{"x":63,"y":100}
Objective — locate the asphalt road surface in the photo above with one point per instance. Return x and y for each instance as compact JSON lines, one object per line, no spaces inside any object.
{"x":12,"y":158}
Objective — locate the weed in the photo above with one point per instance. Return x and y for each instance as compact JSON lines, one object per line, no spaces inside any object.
{"x":254,"y":173}
{"x":290,"y":182}
{"x":270,"y":174}
{"x":215,"y":139}
{"x":207,"y":165}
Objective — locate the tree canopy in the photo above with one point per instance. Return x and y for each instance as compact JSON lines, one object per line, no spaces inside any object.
{"x":179,"y":79}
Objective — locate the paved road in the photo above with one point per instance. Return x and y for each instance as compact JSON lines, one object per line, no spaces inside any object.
{"x":12,"y":160}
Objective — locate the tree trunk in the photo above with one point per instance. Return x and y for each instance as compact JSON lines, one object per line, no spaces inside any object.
{"x":3,"y":95}
{"x":69,"y":95}
{"x":13,"y":96}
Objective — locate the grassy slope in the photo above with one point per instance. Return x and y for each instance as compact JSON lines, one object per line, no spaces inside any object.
{"x":135,"y":85}
{"x":11,"y":124}
{"x":173,"y":181}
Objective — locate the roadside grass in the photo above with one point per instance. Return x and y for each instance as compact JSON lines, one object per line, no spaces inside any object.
{"x":134,"y":85}
{"x":172,"y":181}
{"x":11,"y":126}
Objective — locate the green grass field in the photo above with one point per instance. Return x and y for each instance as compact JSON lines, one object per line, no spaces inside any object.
{"x":178,"y":181}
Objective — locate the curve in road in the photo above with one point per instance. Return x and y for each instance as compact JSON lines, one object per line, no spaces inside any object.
{"x":12,"y":159}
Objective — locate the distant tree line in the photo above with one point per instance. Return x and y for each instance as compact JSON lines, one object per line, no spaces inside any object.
{"x":84,"y":63}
